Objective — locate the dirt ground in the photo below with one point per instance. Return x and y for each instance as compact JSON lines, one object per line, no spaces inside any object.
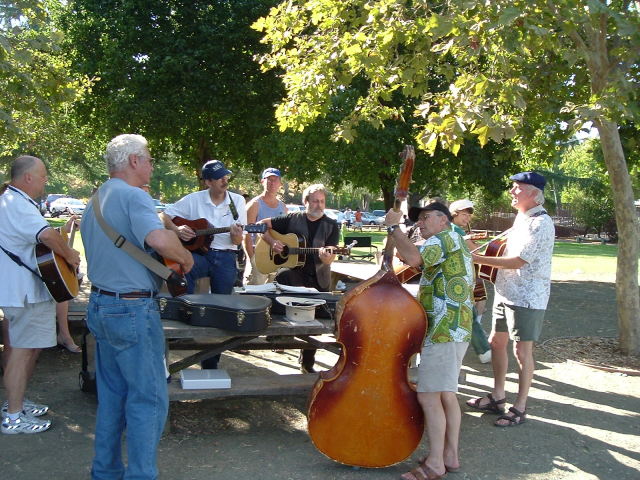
{"x":583,"y":422}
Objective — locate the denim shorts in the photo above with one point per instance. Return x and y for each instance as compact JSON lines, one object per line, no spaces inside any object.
{"x":523,"y":324}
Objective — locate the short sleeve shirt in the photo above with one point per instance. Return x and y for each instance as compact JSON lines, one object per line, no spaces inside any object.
{"x":446,"y":288}
{"x":531,"y":238}
{"x":20,"y":226}
{"x":199,"y":205}
{"x":131,"y":212}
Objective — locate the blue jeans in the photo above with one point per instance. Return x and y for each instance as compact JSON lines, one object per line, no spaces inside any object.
{"x":220,"y":267}
{"x":132,"y":387}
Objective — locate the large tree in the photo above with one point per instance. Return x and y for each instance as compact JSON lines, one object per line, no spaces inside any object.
{"x":512,"y":66}
{"x":181,"y":72}
{"x":34,"y":76}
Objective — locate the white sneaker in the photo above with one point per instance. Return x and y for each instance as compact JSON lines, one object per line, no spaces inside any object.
{"x":24,"y":424}
{"x":30,"y":408}
{"x":485,"y":357}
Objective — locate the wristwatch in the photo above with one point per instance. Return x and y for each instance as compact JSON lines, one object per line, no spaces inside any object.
{"x":392,"y":228}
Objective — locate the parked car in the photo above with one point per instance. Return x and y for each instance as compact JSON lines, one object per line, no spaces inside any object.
{"x":52,"y":197}
{"x":368,"y":218}
{"x":70,"y":206}
{"x":336,"y":215}
{"x":160,"y":207}
{"x":291,"y":208}
{"x":379,"y":213}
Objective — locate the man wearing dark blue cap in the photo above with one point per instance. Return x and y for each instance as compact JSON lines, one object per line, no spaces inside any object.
{"x":221,"y":208}
{"x":522,"y":287}
{"x":265,"y":205}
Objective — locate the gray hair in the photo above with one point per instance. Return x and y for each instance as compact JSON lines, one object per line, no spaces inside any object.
{"x":539,"y":194}
{"x":316,"y":187}
{"x":22,"y":165}
{"x":119,"y":149}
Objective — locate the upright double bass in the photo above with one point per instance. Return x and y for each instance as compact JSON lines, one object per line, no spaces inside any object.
{"x":364,"y":412}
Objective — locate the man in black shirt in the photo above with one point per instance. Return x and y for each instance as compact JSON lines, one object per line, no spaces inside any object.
{"x":320,"y":232}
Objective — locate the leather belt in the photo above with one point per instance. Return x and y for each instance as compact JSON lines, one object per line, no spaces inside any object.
{"x":228,"y":250}
{"x":139,"y":294}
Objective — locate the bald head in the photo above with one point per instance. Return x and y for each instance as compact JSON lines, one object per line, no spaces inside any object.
{"x":22,"y":165}
{"x":29,"y":174}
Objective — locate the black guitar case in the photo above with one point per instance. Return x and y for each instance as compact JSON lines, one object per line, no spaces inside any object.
{"x":237,"y":313}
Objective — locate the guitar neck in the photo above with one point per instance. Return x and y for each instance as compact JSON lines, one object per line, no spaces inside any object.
{"x":314,"y":250}
{"x":212,"y":231}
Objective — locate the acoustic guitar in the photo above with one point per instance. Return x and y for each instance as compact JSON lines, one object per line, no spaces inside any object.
{"x":205,"y":231}
{"x":60,"y":278}
{"x":293,"y":255}
{"x":495,"y":248}
{"x":177,"y":282}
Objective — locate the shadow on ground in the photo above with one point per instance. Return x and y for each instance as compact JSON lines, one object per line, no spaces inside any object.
{"x":583,"y":423}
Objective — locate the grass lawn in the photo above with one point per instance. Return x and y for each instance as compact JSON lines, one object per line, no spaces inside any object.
{"x":571,"y":260}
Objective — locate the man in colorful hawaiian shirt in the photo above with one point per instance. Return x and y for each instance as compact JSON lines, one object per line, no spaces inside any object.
{"x":445,"y":292}
{"x":522,"y":287}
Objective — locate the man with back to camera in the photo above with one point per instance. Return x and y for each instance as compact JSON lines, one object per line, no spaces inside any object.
{"x":319,"y":231}
{"x":522,"y":287}
{"x":123,"y":315}
{"x":265,"y":205}
{"x":220,"y":208}
{"x":29,"y":311}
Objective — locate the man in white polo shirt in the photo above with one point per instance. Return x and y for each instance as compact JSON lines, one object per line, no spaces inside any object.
{"x":29,"y":310}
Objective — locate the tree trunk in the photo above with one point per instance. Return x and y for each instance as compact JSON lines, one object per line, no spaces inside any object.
{"x":628,"y":295}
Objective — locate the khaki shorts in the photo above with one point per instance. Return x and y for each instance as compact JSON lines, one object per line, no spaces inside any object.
{"x":32,"y":326}
{"x":440,"y":365}
{"x":523,"y":324}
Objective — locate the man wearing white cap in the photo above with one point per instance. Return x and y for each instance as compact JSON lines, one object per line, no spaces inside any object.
{"x":462,"y":211}
{"x":522,"y":288}
{"x":265,"y":205}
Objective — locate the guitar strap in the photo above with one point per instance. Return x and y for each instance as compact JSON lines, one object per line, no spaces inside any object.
{"x":19,"y":261}
{"x":121,"y":242}
{"x":12,"y":255}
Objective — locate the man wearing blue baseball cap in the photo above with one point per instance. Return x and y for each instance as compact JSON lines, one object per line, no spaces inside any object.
{"x":522,"y":287}
{"x":220,"y":208}
{"x":265,"y":205}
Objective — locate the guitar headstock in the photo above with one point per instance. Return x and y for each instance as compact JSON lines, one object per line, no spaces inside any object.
{"x":255,"y":228}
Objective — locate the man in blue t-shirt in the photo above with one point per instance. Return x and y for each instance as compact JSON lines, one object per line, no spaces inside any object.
{"x":123,"y":315}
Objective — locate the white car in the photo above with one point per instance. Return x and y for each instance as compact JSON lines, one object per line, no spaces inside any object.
{"x":70,"y":206}
{"x":292,"y":208}
{"x":336,"y":215}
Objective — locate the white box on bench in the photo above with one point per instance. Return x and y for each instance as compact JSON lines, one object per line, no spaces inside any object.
{"x":193,"y":379}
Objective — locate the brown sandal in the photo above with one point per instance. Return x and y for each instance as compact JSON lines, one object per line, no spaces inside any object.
{"x":494,"y":406}
{"x":518,"y":418}
{"x":423,"y":472}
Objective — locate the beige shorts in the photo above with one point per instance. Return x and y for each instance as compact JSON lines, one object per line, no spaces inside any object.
{"x":32,"y":326}
{"x":440,"y":365}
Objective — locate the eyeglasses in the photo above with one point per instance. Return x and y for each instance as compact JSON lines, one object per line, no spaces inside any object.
{"x":151,"y":160}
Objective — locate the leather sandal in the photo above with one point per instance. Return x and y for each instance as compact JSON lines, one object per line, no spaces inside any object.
{"x":494,"y":406}
{"x":423,"y":472}
{"x":518,"y":418}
